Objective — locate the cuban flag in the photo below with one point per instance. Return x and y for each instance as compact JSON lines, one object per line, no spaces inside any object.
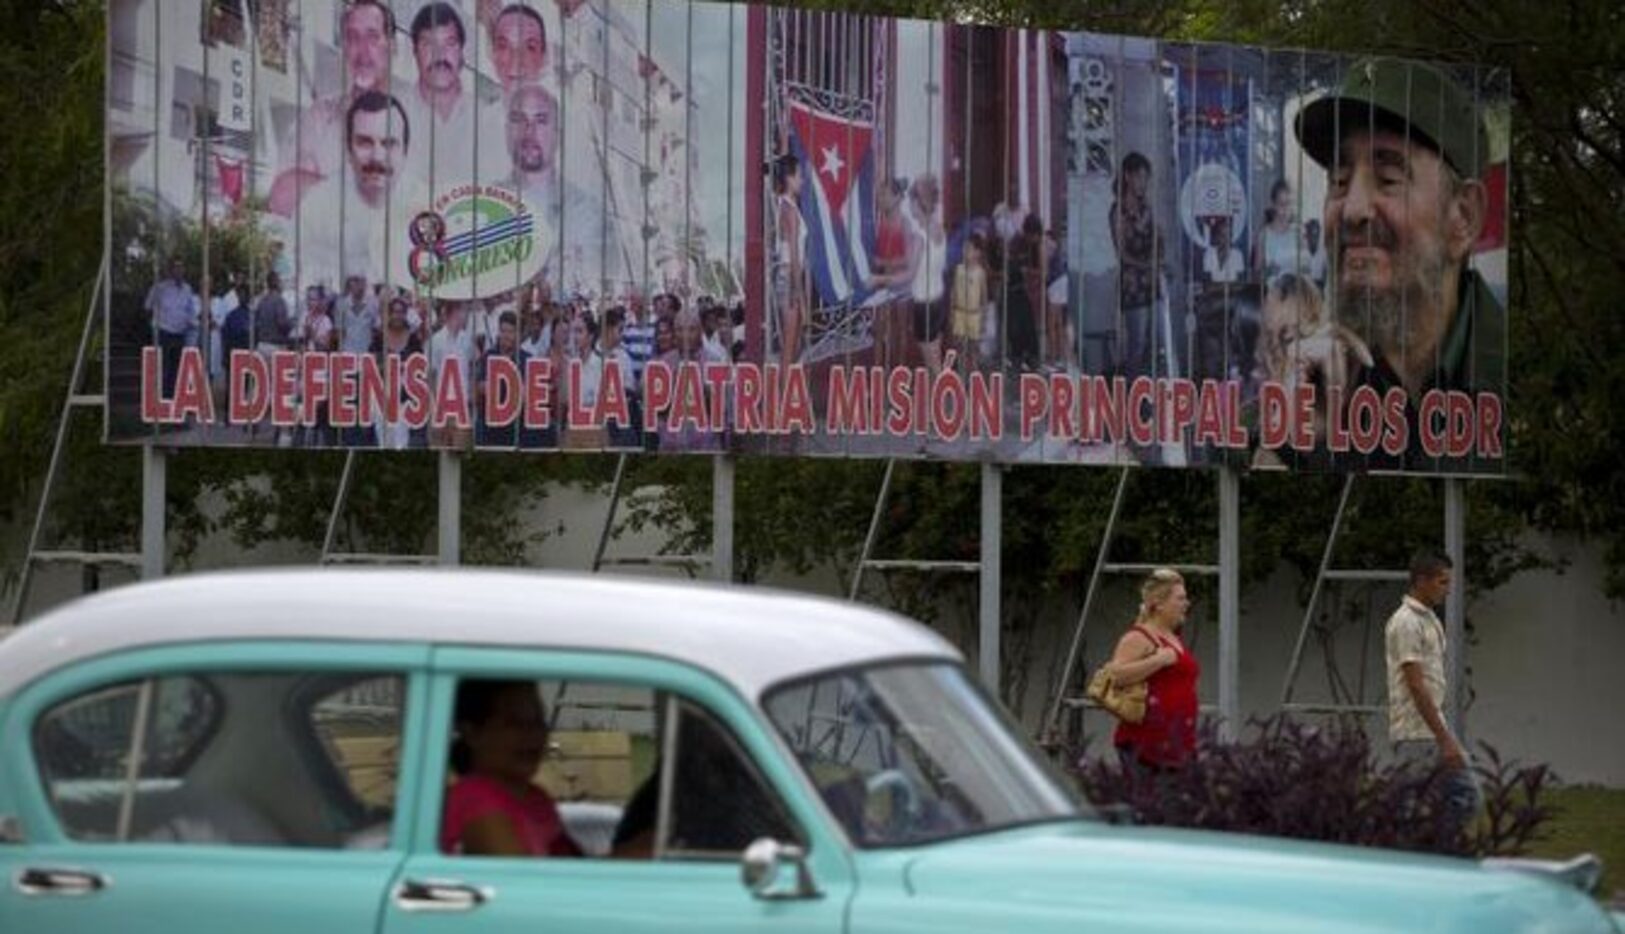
{"x":837,"y":201}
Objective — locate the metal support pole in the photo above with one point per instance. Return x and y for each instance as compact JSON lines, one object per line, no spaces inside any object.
{"x":339,"y":500}
{"x":1229,"y":602}
{"x":1314,"y":594}
{"x":1455,"y":610}
{"x":609,"y":514}
{"x":153,"y":493}
{"x":451,"y":508}
{"x":992,"y":518}
{"x":722,"y":517}
{"x":874,"y":530}
{"x":63,"y":426}
{"x":1053,"y":718}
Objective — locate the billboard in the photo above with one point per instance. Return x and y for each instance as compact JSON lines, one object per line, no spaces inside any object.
{"x":685,"y":227}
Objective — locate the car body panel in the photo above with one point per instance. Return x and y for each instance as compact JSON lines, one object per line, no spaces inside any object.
{"x":631,"y":895}
{"x":169,"y":887}
{"x":1075,"y":875}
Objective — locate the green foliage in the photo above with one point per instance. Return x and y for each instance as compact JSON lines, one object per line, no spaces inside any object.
{"x":50,"y":226}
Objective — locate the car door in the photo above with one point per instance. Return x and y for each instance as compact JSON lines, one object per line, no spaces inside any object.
{"x":249,"y":787}
{"x":614,"y":721}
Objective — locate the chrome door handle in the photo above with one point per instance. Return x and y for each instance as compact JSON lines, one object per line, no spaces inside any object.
{"x":51,"y":881}
{"x":440,"y":895}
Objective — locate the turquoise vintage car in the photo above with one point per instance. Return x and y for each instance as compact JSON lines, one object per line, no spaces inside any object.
{"x":267,"y":752}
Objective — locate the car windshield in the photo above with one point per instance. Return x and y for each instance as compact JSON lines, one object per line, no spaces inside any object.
{"x":912,"y":753}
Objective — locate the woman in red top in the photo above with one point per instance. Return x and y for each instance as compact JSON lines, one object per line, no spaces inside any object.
{"x":889,"y":266}
{"x":1152,"y":651}
{"x":494,"y":808}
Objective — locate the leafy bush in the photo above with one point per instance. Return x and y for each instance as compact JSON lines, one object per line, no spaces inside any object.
{"x":1326,"y":783}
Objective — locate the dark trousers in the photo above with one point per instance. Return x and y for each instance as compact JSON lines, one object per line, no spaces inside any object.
{"x":169,"y":354}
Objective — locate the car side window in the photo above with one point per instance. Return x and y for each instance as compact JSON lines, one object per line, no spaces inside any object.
{"x":720,"y":802}
{"x":359,"y":728}
{"x":573,"y":768}
{"x":543,"y":768}
{"x":272,"y":759}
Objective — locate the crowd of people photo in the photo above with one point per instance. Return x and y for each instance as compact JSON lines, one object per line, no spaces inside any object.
{"x":378,"y":319}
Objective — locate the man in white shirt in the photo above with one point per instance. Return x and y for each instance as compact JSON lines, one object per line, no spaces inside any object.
{"x":532,"y":135}
{"x":1416,"y":651}
{"x":174,"y":309}
{"x":715,"y":342}
{"x":443,"y":111}
{"x":356,"y":222}
{"x":358,"y":320}
{"x":220,"y":307}
{"x":1222,"y":263}
{"x":533,"y":144}
{"x":452,"y":345}
{"x":537,"y":334}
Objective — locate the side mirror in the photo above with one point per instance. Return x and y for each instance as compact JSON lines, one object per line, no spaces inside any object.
{"x":762,"y":869}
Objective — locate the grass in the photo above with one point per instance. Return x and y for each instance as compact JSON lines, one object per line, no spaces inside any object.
{"x":1588,"y":820}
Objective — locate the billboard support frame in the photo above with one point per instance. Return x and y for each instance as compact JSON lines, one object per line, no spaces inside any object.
{"x":1052,"y":719}
{"x":987,"y":567}
{"x":720,"y":560}
{"x":1227,"y":570}
{"x":1455,"y":536}
{"x":990,"y":577}
{"x":1455,"y":618}
{"x":722,"y":518}
{"x":154,"y":491}
{"x":74,"y":399}
{"x":330,"y":540}
{"x":1229,"y":481}
{"x":449,"y":532}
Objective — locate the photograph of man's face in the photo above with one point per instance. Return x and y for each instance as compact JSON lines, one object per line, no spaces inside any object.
{"x":368,"y":47}
{"x":1395,"y":229}
{"x":377,"y":149}
{"x":518,"y":47}
{"x":533,"y":132}
{"x":439,"y":54}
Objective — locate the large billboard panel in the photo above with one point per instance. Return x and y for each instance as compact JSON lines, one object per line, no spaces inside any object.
{"x":691,"y":227}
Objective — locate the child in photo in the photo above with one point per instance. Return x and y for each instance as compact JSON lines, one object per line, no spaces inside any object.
{"x":969,"y":303}
{"x":1299,"y":342}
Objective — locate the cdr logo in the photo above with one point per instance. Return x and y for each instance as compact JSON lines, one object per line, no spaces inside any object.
{"x":477,"y":241}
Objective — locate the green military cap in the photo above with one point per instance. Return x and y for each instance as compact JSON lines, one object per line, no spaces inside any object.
{"x":1403,"y":97}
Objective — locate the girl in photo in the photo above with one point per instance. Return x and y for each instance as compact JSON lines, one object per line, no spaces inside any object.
{"x":969,"y":303}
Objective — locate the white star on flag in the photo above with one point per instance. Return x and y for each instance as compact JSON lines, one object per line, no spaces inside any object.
{"x":832,"y":163}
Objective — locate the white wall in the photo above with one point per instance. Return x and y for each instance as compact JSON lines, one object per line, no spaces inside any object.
{"x":1547,"y":670}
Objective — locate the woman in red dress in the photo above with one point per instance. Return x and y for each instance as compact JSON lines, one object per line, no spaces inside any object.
{"x":1151,"y":651}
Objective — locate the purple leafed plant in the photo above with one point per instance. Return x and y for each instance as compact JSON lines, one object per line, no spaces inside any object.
{"x":1325,"y":782}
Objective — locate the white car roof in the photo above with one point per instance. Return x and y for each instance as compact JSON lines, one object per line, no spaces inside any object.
{"x":751,"y":637}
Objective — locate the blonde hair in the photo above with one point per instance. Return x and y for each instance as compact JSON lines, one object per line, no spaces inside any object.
{"x":1156,"y":588}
